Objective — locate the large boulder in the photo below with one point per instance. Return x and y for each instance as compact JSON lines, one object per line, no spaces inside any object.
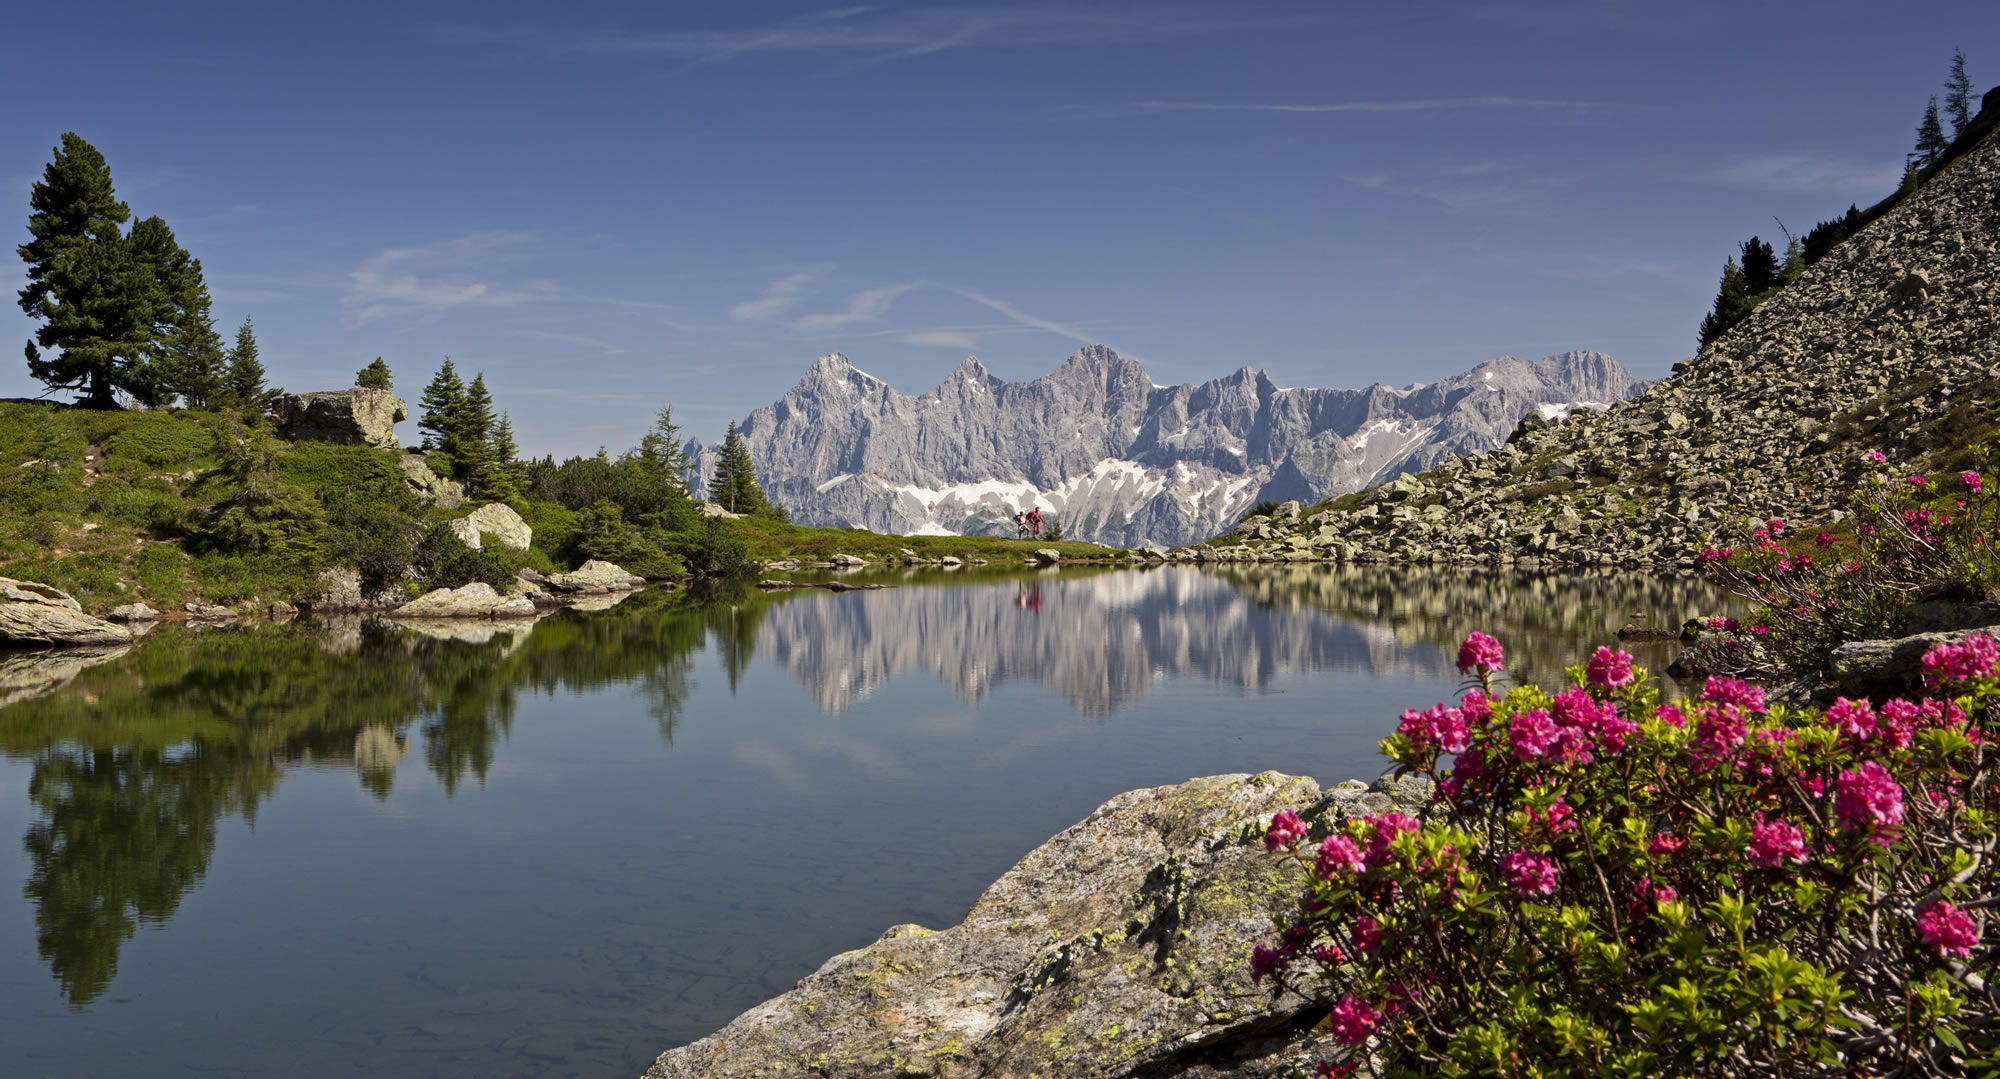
{"x":594,"y":578}
{"x":340,"y":589}
{"x":475,"y":600}
{"x":498,"y":520}
{"x":34,"y":615}
{"x":1120,"y":948}
{"x":429,"y":486}
{"x":357,"y":417}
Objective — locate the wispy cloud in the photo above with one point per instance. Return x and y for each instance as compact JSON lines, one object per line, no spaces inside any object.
{"x":1806,"y":172}
{"x":434,"y":279}
{"x":938,"y":338}
{"x":865,"y":306}
{"x":875,"y":34}
{"x":1426,"y":104}
{"x":1023,"y":318}
{"x":1466,"y":186}
{"x":605,"y":347}
{"x":566,"y":393}
{"x":782,"y":296}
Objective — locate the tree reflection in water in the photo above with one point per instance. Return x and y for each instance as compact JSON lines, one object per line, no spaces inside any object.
{"x":135,"y":762}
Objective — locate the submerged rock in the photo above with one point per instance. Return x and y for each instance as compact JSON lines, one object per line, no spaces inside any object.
{"x":34,"y":615}
{"x":1118,"y":948}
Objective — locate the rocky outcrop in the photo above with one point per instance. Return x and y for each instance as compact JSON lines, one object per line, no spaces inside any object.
{"x":1119,"y":948}
{"x":34,"y":615}
{"x":429,"y":486}
{"x":593,"y":578}
{"x":340,"y":589}
{"x":1771,"y":420}
{"x":357,"y":417}
{"x":495,"y":519}
{"x":1119,"y":459}
{"x":475,"y":600}
{"x":132,"y":612}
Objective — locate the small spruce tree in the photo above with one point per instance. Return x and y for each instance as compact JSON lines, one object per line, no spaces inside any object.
{"x":1930,"y":143}
{"x":375,"y":376}
{"x":1958,"y":94}
{"x":469,"y":433}
{"x":244,"y":381}
{"x":1732,"y":302}
{"x":439,"y":404}
{"x":734,"y":484}
{"x":663,"y":453}
{"x":1760,"y":266}
{"x":504,"y":450}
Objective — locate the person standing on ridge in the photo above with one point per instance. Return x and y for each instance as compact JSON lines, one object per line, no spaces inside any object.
{"x":1035,"y":522}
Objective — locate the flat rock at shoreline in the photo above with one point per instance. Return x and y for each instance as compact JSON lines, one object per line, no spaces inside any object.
{"x":34,"y":615}
{"x":1118,"y":948}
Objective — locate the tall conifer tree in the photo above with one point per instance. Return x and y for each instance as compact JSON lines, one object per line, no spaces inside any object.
{"x":1930,"y":143}
{"x":440,"y":403}
{"x":469,"y":431}
{"x":244,"y":380}
{"x":95,"y":298}
{"x":1732,"y":302}
{"x":1958,"y":94}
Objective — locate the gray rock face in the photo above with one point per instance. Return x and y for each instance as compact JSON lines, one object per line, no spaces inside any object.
{"x":1118,"y":948}
{"x":34,"y":615}
{"x":1121,"y":460}
{"x":1873,"y":348}
{"x":340,"y":589}
{"x":448,"y":494}
{"x":132,"y":612}
{"x":497,"y":520}
{"x":475,"y":600}
{"x":357,"y":417}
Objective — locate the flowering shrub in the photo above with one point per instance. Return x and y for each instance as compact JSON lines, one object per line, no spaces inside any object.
{"x":1610,"y":886}
{"x":1913,"y":539}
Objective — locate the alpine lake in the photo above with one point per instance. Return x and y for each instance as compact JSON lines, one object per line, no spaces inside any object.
{"x":349,"y":847}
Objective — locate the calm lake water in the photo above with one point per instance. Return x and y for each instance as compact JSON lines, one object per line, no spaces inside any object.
{"x":350,"y":849}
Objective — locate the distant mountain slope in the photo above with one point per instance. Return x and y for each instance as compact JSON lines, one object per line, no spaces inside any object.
{"x":1124,"y":461}
{"x":1889,"y":343}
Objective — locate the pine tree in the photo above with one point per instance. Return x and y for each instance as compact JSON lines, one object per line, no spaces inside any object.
{"x":375,"y":376}
{"x":96,"y":298}
{"x":1958,"y":94}
{"x":1930,"y":143}
{"x":503,"y":448}
{"x":1732,"y":302}
{"x":244,"y":381}
{"x":1760,"y":266}
{"x":469,"y":432}
{"x":663,"y":452}
{"x":735,"y":478}
{"x":440,"y":403}
{"x":188,"y":358}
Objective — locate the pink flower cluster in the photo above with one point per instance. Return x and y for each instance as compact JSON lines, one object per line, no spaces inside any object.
{"x":1869,"y":799}
{"x":1609,"y":668}
{"x":1353,"y":1020}
{"x":1439,"y":727}
{"x":1974,"y":657}
{"x":1531,"y":873}
{"x":1339,"y":854}
{"x":1970,"y":481}
{"x":1481,"y":652}
{"x":1725,"y":690}
{"x":1286,"y":830}
{"x":1773,"y":843}
{"x":1948,"y":929}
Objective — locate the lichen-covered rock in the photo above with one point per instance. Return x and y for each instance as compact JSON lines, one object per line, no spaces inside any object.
{"x":357,"y":417}
{"x":594,"y":577}
{"x":475,"y":600}
{"x":498,"y":520}
{"x":848,"y":560}
{"x":1118,"y":948}
{"x":448,"y":494}
{"x":1048,"y":556}
{"x":1887,"y":667}
{"x":339,"y":588}
{"x":34,"y":615}
{"x":132,"y":612}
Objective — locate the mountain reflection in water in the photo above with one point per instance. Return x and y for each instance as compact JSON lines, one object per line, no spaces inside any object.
{"x":134,"y":758}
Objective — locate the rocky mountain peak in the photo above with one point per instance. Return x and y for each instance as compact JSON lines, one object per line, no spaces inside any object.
{"x":1122,"y":461}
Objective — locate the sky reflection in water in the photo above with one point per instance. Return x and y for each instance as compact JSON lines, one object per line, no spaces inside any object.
{"x":352,"y":848}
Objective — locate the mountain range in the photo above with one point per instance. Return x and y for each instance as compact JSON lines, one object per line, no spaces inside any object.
{"x":1121,"y":459}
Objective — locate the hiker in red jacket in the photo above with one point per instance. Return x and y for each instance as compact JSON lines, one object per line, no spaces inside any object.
{"x":1035,"y":521}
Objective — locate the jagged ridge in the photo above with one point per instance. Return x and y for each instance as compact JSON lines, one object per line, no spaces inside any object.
{"x":1124,"y":461}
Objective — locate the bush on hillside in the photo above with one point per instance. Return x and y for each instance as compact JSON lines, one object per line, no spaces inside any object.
{"x":1611,"y":886}
{"x":1914,"y":538}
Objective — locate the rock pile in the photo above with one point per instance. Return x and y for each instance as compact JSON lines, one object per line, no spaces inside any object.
{"x":1888,"y":343}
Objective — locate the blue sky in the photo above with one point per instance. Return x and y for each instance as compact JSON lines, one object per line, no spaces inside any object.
{"x":608,"y":207}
